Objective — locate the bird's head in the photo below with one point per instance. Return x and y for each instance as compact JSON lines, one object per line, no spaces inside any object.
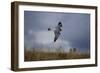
{"x":60,"y":24}
{"x":49,"y":29}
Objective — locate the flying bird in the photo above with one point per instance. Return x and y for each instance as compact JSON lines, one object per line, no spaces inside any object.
{"x":57,"y":31}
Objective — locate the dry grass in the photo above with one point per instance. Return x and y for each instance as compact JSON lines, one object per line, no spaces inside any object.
{"x":37,"y":56}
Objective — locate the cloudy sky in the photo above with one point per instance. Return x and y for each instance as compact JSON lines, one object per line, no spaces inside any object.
{"x":75,"y":31}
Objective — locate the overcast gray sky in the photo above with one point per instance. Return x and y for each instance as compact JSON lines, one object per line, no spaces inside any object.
{"x":75,"y":31}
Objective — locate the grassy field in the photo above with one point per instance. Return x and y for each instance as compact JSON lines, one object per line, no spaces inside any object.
{"x":39,"y":56}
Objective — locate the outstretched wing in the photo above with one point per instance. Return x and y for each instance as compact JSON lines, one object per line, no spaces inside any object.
{"x":56,"y":35}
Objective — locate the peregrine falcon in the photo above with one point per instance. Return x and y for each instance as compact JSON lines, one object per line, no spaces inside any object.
{"x":57,"y":31}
